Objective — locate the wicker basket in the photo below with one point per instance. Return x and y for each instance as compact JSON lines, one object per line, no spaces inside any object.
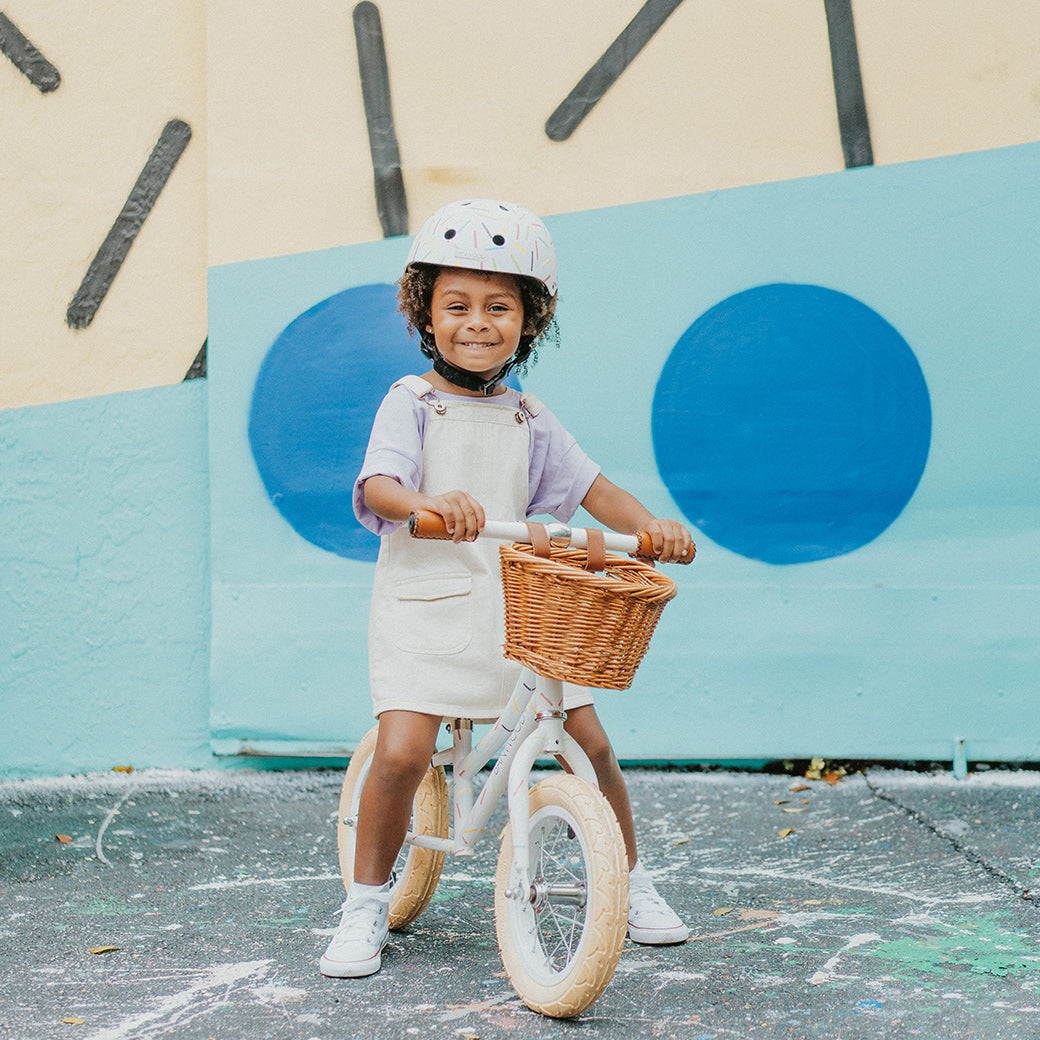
{"x":569,"y":623}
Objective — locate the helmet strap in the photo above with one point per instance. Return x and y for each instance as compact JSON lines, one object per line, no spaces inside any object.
{"x":459,"y":376}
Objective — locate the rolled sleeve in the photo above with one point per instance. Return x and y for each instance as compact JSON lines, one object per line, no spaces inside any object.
{"x":561,"y":473}
{"x":394,"y":450}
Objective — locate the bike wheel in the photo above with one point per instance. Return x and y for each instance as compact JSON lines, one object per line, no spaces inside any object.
{"x":561,"y":943}
{"x":416,"y":872}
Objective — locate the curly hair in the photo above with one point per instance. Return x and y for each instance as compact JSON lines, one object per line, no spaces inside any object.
{"x":415,"y":295}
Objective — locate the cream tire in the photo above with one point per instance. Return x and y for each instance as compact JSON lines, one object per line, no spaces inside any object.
{"x":561,"y":943}
{"x":416,"y":872}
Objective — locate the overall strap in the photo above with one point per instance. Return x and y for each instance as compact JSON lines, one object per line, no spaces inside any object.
{"x":416,"y":384}
{"x":530,"y":404}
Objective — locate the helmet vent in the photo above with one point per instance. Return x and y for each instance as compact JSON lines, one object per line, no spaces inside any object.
{"x":450,"y":233}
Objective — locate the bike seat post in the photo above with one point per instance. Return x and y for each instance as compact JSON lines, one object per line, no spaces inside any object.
{"x":462,"y":782}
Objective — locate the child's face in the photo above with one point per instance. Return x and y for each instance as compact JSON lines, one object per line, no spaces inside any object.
{"x":477,"y":319}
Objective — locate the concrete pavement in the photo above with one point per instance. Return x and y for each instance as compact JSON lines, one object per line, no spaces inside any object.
{"x":196,"y":904}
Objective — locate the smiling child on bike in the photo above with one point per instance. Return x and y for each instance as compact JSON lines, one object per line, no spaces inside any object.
{"x":480,"y":290}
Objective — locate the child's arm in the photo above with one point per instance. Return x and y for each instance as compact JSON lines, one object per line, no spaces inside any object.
{"x":463,"y":515}
{"x":617,"y":509}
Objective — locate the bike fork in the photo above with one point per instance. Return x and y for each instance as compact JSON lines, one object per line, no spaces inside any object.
{"x":549,"y":738}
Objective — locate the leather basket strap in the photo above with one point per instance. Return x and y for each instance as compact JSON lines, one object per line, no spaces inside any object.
{"x":596,"y":550}
{"x":539,"y":539}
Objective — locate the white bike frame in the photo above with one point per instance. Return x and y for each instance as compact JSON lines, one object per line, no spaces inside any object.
{"x":529,"y":729}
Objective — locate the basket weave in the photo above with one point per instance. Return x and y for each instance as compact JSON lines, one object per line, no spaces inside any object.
{"x":565,"y":622}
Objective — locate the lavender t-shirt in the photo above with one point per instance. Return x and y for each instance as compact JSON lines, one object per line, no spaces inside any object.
{"x":559,"y":472}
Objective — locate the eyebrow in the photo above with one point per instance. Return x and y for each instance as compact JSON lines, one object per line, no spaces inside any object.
{"x":505,"y":294}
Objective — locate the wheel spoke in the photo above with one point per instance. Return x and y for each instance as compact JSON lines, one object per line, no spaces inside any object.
{"x":559,"y":862}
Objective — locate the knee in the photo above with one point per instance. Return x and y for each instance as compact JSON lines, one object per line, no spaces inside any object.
{"x":597,"y":747}
{"x":399,"y":767}
{"x":601,"y":755}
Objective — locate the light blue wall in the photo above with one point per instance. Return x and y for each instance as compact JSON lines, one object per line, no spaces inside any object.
{"x":925,"y":634}
{"x":104,"y":583}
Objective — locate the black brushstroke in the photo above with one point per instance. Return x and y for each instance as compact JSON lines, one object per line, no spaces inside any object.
{"x":848,"y":85}
{"x":382,"y":138}
{"x":109,"y":258}
{"x":603,"y":74}
{"x":198,"y":366}
{"x":26,"y":58}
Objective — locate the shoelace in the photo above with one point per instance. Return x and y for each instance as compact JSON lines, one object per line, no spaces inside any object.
{"x":643,"y":898}
{"x":361,"y":926}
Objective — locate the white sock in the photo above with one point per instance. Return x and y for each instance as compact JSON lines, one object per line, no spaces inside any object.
{"x":381,"y":893}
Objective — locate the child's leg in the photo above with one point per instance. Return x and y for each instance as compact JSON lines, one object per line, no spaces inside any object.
{"x":650,"y":919}
{"x":584,"y":726}
{"x":406,"y":742}
{"x":402,"y":755}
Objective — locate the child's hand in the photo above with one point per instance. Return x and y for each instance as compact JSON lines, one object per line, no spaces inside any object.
{"x":672,"y":542}
{"x":463,"y":515}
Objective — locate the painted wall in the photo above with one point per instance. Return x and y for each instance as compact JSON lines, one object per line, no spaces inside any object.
{"x":105,"y":595}
{"x":151,"y":135}
{"x":818,"y":406}
{"x":104,"y":197}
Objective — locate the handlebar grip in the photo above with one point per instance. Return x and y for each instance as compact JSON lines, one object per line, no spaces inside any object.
{"x":646,"y":549}
{"x":424,"y":523}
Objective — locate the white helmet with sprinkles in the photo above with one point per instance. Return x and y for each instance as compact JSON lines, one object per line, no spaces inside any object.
{"x":486,"y":235}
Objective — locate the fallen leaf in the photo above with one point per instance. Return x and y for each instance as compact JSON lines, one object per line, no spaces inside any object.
{"x":815,"y":767}
{"x":106,"y":949}
{"x":63,"y":838}
{"x":801,"y":787}
{"x":835,"y":776}
{"x":796,"y":809}
{"x":681,"y":841}
{"x":74,"y":1021}
{"x":722,"y":911}
{"x":468,"y":1034}
{"x":781,"y":801}
{"x":786,"y":832}
{"x":122,"y":769}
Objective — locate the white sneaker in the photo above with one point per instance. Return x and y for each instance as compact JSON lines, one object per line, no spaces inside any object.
{"x":651,"y":920}
{"x":356,"y":950}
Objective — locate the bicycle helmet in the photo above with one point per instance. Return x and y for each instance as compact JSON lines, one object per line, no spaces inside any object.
{"x":485,"y":235}
{"x":492,"y":236}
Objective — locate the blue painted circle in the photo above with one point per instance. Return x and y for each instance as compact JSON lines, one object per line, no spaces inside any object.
{"x":791,"y":423}
{"x":313,"y":404}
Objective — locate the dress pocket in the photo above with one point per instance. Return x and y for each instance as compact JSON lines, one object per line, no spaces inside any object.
{"x":433,"y":614}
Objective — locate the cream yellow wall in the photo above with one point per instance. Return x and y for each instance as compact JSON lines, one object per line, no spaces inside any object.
{"x":71,"y":158}
{"x":949,"y":76}
{"x":727,"y":93}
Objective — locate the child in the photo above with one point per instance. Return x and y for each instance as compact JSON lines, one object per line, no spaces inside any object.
{"x":459,"y":442}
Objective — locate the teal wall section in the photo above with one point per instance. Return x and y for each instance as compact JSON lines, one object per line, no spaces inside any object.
{"x":104,"y":583}
{"x":922,"y":636}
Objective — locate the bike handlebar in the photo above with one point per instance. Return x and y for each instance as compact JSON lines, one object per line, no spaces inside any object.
{"x":424,"y":523}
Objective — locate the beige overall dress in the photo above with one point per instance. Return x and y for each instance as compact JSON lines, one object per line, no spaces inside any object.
{"x":437,"y":624}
